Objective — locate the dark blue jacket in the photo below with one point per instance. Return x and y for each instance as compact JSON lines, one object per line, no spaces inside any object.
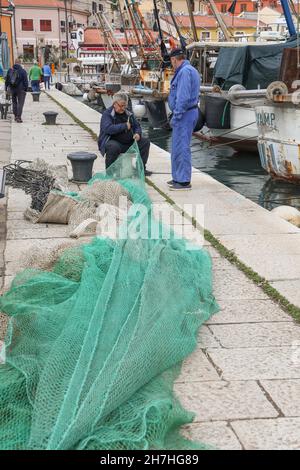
{"x":22,"y":83}
{"x":109,"y":128}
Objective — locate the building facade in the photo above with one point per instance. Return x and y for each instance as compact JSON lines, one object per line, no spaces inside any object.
{"x":208,"y":28}
{"x":43,"y":25}
{"x":245,"y":5}
{"x":7,"y":31}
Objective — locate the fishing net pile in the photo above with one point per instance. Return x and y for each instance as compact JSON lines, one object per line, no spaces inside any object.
{"x":36,"y":179}
{"x":94,"y":344}
{"x":53,"y":202}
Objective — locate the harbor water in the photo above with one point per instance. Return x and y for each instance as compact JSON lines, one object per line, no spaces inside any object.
{"x":240,"y":171}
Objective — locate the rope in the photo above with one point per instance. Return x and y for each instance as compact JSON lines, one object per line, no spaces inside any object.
{"x":224,"y":112}
{"x":231,"y":130}
{"x":229,"y":143}
{"x":36,"y":183}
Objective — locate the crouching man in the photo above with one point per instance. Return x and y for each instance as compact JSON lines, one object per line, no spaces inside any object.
{"x":118,"y":131}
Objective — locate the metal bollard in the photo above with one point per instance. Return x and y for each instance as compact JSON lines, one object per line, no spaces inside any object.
{"x":2,"y":182}
{"x":50,"y":117}
{"x":36,"y":95}
{"x":82,"y":165}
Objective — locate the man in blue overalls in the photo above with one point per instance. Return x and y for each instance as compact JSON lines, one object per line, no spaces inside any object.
{"x":183,"y":102}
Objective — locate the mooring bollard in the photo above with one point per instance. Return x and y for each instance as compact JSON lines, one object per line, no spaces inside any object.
{"x":82,"y":165}
{"x":4,"y":110}
{"x":2,"y":182}
{"x":50,"y":117}
{"x":36,"y":95}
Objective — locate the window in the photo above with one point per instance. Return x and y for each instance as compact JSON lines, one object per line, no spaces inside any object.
{"x":45,"y":25}
{"x":243,"y":7}
{"x":170,"y":5}
{"x":28,"y":52}
{"x":27,"y":25}
{"x":63,"y":26}
{"x":223,"y":8}
{"x":100,"y":7}
{"x":205,"y":35}
{"x":94,"y":7}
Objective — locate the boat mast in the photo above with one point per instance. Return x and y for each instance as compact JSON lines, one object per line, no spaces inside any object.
{"x":219,"y":19}
{"x":113,"y":45}
{"x":288,"y":17}
{"x":181,"y":38}
{"x":125,"y":32}
{"x":192,"y":19}
{"x":164,"y":51}
{"x":129,"y":12}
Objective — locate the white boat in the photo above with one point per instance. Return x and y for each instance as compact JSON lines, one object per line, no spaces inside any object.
{"x":241,"y":132}
{"x":278,"y":123}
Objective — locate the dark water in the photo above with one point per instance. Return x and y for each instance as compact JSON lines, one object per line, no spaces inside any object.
{"x":241,"y":172}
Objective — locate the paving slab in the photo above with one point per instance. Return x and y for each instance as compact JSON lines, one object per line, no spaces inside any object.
{"x":289,"y":289}
{"x":243,"y":311}
{"x":278,"y":257}
{"x":285,"y":393}
{"x":206,"y":339}
{"x":269,"y":434}
{"x":232,"y":284}
{"x":216,"y":434}
{"x":257,"y":335}
{"x":196,"y":368}
{"x":220,"y":400}
{"x":256,"y":363}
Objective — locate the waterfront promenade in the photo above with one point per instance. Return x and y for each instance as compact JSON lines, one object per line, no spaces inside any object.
{"x":243,"y":381}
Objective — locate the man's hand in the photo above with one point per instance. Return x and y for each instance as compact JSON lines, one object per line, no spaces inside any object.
{"x":137,"y":137}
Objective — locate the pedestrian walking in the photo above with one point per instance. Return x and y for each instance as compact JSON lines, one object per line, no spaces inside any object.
{"x":183,"y":102}
{"x":35,"y":75}
{"x":47,"y":76}
{"x":16,"y":84}
{"x":118,"y":130}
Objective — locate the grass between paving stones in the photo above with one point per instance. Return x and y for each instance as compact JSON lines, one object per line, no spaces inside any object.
{"x":80,"y":123}
{"x":260,"y":281}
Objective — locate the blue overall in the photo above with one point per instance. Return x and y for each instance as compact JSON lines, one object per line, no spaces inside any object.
{"x":184,"y":95}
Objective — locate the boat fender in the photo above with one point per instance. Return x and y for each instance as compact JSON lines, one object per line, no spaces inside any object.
{"x":288,"y":213}
{"x":217,"y":112}
{"x":200,"y":122}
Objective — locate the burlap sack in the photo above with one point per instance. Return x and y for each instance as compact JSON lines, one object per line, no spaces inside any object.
{"x":57,"y":209}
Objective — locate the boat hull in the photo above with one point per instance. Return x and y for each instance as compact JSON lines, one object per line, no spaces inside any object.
{"x":242,"y":134}
{"x":279,"y":139}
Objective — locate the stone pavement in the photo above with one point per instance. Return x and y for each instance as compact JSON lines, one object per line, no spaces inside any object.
{"x":243,"y":380}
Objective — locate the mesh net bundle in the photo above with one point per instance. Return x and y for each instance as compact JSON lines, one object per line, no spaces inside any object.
{"x":99,"y":192}
{"x":94,"y":345}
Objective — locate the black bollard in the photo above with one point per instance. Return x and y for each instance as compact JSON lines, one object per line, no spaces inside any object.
{"x":50,"y":117}
{"x":36,"y":95}
{"x":82,"y":165}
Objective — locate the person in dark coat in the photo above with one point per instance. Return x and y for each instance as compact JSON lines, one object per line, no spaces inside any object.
{"x":118,"y":130}
{"x":16,"y":84}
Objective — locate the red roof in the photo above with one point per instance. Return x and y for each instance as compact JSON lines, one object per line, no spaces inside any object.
{"x":205,"y":21}
{"x":93,"y":36}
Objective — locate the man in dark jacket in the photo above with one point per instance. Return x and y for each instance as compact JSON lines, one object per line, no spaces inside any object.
{"x":16,"y":84}
{"x":118,"y":131}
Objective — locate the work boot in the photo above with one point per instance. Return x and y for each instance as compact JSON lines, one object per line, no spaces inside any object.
{"x":181,"y":187}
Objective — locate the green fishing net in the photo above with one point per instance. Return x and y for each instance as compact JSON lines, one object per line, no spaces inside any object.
{"x":93,"y":346}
